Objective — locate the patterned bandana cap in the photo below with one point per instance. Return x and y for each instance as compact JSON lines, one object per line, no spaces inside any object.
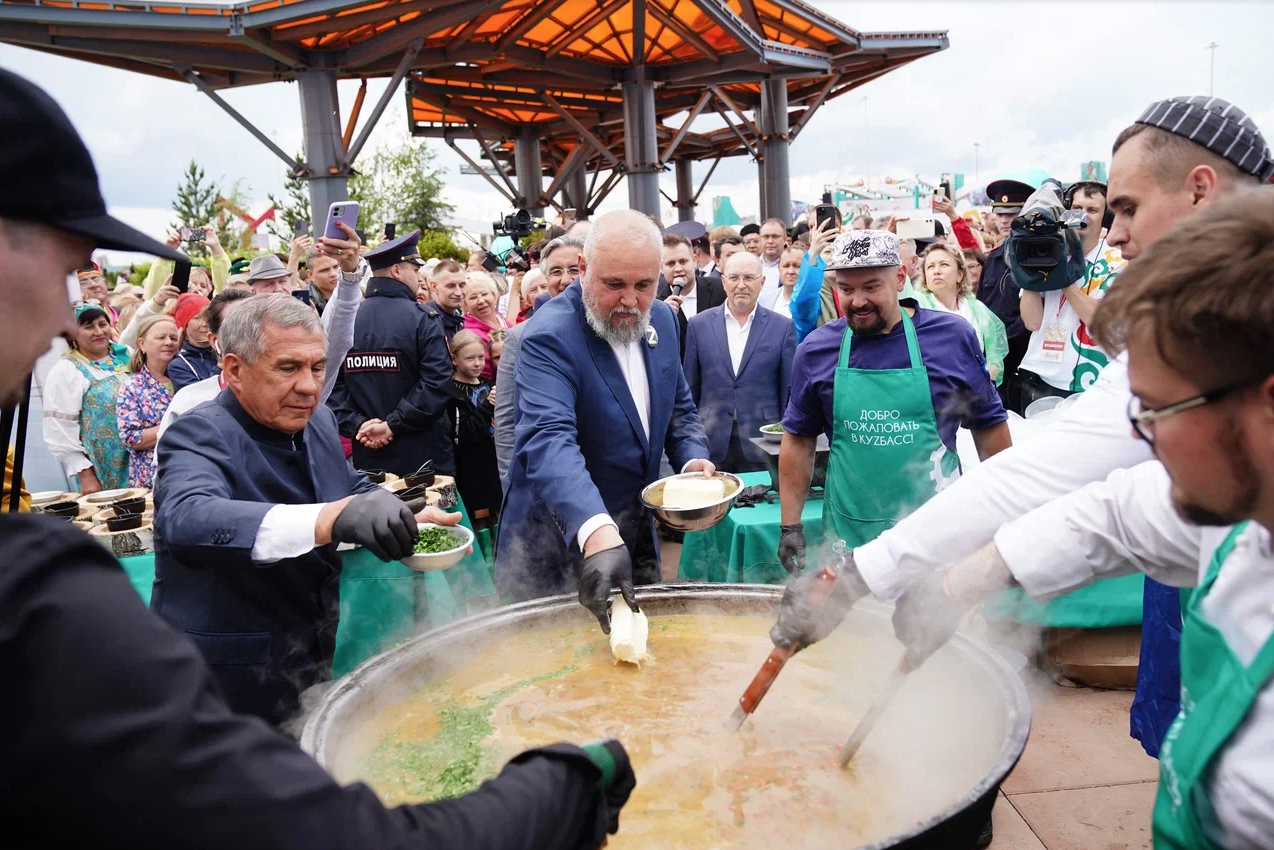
{"x":864,"y":249}
{"x":1217,"y":125}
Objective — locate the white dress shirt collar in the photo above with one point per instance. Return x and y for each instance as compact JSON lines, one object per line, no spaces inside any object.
{"x":736,"y":335}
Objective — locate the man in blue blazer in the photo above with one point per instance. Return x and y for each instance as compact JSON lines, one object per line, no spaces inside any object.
{"x":738,"y":364}
{"x":253,"y":495}
{"x":600,"y":397}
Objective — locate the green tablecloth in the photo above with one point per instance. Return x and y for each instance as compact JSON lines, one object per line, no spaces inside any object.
{"x":381,"y":603}
{"x":743,"y":547}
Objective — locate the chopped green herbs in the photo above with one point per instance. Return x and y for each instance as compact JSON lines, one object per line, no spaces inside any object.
{"x":434,"y":540}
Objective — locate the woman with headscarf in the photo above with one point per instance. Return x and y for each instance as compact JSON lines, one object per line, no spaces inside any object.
{"x":80,"y":424}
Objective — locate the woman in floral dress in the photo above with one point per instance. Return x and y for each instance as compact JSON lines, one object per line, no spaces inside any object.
{"x":143,"y":400}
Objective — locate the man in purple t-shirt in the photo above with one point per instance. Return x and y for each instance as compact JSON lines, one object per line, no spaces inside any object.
{"x":889,"y":395}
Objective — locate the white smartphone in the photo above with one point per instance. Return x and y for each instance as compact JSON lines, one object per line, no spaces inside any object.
{"x":345,"y":212}
{"x":916,"y":227}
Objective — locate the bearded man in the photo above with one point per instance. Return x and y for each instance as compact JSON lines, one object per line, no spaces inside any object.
{"x":600,"y":398}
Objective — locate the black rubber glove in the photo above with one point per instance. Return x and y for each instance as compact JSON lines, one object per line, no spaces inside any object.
{"x":926,"y":617}
{"x":792,"y":547}
{"x":803,"y":619}
{"x":380,"y":521}
{"x":618,"y":779}
{"x":605,"y":571}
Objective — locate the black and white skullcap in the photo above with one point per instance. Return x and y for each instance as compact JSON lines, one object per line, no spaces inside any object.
{"x":1217,"y":125}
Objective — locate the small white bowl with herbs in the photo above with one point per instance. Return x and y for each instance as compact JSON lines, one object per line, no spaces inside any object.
{"x":772,"y":433}
{"x":439,"y":547}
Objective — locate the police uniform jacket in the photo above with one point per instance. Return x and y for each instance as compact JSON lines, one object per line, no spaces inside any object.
{"x":999,"y":293}
{"x":451,"y":321}
{"x":267,"y":630}
{"x":399,"y":370}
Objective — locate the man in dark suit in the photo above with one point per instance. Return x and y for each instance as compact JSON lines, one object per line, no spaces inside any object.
{"x":738,"y":364}
{"x":253,"y":495}
{"x":600,"y":398}
{"x":721,"y":251}
{"x":682,"y":287}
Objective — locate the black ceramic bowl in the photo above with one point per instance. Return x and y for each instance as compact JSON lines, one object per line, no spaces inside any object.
{"x":129,"y":506}
{"x":125,"y":522}
{"x":65,"y":510}
{"x":411,"y":493}
{"x":420,"y":479}
{"x":376,"y":476}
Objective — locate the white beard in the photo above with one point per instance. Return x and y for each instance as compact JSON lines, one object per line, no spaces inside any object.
{"x":608,"y":332}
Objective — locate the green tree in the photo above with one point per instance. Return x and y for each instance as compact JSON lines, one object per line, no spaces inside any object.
{"x":438,"y":243}
{"x":400,"y":183}
{"x":140,"y":271}
{"x":195,"y":204}
{"x":292,"y":206}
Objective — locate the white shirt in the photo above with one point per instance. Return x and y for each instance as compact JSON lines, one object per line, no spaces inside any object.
{"x":632,"y":363}
{"x":690,"y":302}
{"x":782,"y":303}
{"x":963,"y":310}
{"x":771,"y":273}
{"x":63,"y":399}
{"x":736,"y":336}
{"x":1127,"y":523}
{"x":1084,"y":444}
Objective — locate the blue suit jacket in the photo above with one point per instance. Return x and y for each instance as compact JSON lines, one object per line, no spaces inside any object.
{"x":579,"y":448}
{"x":267,"y":631}
{"x":754,"y":397}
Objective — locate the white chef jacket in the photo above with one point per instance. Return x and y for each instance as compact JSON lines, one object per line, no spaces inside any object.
{"x":1127,"y":523}
{"x":1084,"y":444}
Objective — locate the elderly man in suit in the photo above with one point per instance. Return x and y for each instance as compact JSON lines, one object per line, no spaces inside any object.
{"x":600,"y":397}
{"x":253,"y":497}
{"x":682,"y":286}
{"x":738,"y":364}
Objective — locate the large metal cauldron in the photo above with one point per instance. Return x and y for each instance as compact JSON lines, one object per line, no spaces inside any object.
{"x":339,"y":731}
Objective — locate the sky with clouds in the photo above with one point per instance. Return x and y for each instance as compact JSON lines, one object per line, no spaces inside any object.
{"x":1045,"y":85}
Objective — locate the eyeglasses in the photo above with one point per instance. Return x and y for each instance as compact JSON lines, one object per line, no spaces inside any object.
{"x":741,"y":278}
{"x":570,"y":271}
{"x":1143,"y":421}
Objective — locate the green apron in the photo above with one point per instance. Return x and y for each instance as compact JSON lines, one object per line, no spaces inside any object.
{"x":886,"y":457}
{"x":1217,"y":692}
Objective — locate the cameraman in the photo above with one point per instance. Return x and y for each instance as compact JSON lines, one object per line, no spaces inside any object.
{"x":1061,"y":358}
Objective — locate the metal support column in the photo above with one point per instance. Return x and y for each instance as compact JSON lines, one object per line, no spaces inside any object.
{"x":530,"y":171}
{"x":776,"y":188}
{"x":324,"y":146}
{"x":577,"y":192}
{"x":641,"y":149}
{"x":685,"y":189}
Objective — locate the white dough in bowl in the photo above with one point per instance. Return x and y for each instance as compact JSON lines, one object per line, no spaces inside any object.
{"x":687,"y":493}
{"x":628,"y":633}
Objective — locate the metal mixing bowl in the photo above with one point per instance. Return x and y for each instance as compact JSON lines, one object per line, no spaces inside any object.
{"x":691,"y":519}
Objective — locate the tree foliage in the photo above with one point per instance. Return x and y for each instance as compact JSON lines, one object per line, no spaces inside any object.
{"x":195,"y":204}
{"x":400,"y":182}
{"x":293,"y":206}
{"x":438,"y":243}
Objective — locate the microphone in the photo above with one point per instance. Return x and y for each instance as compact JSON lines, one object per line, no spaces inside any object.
{"x":678,"y":284}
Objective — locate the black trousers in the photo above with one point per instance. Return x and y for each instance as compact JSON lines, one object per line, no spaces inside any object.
{"x":735,"y":460}
{"x":1010,"y":387}
{"x":1032,"y":388}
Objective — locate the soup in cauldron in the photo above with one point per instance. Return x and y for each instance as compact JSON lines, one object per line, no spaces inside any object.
{"x":699,"y":785}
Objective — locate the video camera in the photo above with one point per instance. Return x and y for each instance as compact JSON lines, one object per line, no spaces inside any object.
{"x":518,"y":225}
{"x":1043,"y":249}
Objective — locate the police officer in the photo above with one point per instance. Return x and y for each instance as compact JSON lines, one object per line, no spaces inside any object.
{"x":392,"y":393}
{"x":99,"y":689}
{"x":998,"y":291}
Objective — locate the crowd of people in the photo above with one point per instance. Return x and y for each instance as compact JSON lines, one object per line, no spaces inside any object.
{"x":251,"y":398}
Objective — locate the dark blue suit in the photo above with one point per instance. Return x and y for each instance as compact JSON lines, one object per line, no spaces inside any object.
{"x":267,"y":631}
{"x":580,"y":449}
{"x":754,"y":397}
